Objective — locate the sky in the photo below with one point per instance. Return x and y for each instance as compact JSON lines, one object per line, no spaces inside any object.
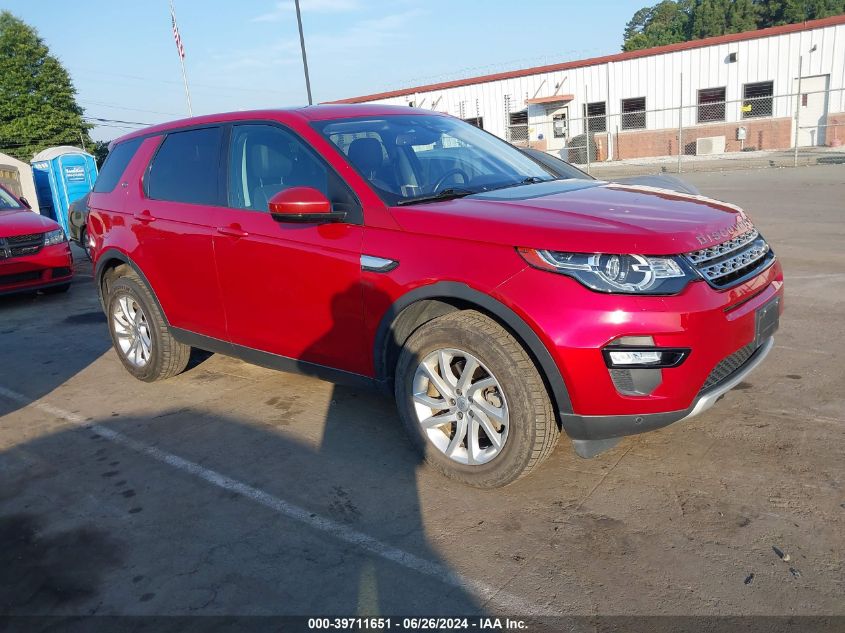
{"x":245,"y":54}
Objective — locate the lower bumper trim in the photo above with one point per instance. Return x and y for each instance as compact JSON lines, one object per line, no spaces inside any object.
{"x":591,"y":428}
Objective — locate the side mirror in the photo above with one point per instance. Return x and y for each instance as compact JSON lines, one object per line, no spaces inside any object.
{"x":25,"y":202}
{"x":304,"y":205}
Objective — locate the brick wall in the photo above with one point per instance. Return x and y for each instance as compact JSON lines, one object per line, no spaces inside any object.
{"x":835,"y":133}
{"x":761,"y":134}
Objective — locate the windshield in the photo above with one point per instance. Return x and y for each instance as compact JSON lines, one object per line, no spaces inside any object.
{"x":428,"y":157}
{"x":7,"y":201}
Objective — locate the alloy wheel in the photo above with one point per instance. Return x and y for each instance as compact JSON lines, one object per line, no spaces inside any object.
{"x":132,"y":330}
{"x":460,"y":406}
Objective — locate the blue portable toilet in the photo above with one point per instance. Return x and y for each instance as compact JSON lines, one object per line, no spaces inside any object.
{"x":62,"y":175}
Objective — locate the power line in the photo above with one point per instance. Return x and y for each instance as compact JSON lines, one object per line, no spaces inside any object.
{"x":93,"y":118}
{"x":216,"y":87}
{"x":120,"y":107}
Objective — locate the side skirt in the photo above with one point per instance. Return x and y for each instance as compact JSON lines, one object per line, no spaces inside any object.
{"x":273,"y":361}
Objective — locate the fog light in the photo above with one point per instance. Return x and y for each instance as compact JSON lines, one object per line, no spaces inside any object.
{"x":643,"y":357}
{"x":626,"y":358}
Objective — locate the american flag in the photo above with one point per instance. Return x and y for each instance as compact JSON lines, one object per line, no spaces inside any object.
{"x":179,"y":48}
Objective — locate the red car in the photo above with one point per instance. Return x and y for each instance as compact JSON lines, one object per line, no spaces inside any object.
{"x":34,"y":251}
{"x":411,"y":250}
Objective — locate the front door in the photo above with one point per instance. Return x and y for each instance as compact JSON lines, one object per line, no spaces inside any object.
{"x":560,"y":128}
{"x":812,"y":110}
{"x":289,"y":289}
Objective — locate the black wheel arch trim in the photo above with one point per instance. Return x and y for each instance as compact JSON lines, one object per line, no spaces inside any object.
{"x":111,"y":254}
{"x":455,"y":290}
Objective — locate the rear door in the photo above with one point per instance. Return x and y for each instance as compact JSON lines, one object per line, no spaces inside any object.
{"x":289,"y":289}
{"x":172,"y":218}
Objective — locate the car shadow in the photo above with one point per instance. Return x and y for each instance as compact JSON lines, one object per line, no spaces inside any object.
{"x":187,"y":511}
{"x":220,"y":516}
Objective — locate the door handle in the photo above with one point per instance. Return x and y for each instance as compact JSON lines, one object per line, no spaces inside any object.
{"x":232,"y":231}
{"x":143,"y":216}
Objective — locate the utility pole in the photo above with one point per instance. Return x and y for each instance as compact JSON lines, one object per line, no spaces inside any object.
{"x":302,"y":45}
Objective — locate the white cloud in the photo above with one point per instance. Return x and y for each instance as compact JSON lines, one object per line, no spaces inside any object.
{"x":364,"y":34}
{"x":286,"y":7}
{"x":371,"y":33}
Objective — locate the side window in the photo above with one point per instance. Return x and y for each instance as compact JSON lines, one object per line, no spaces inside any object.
{"x":115,"y":164}
{"x":266,"y":159}
{"x":185,"y":168}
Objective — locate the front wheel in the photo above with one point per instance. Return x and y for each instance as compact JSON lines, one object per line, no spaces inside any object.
{"x":473,"y":402}
{"x":139,"y":333}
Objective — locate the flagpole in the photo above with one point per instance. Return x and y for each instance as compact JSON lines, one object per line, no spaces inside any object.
{"x":182,"y":64}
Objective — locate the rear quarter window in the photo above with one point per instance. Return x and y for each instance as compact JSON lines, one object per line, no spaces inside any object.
{"x":115,"y":164}
{"x":186,"y":167}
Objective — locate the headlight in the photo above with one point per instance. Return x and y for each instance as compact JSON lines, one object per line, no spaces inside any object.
{"x":631,"y":274}
{"x":54,"y":237}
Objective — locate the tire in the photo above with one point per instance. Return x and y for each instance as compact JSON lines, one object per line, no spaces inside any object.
{"x":83,"y":242}
{"x":165,"y":357}
{"x":56,"y":290}
{"x":528,"y":431}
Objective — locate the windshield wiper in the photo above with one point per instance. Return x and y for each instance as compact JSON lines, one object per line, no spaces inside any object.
{"x":446,"y":194}
{"x":531,"y":180}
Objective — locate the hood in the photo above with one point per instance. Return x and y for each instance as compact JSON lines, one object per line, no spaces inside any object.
{"x":23,"y":221}
{"x":581,"y":216}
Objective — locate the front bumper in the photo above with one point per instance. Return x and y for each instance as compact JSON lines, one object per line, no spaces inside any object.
{"x":604,"y":432}
{"x":576,"y":324}
{"x":51,"y":266}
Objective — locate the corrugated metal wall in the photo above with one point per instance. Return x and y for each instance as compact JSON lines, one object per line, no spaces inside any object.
{"x":658,"y":79}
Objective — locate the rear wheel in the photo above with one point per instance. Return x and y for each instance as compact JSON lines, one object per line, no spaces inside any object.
{"x":83,"y":241}
{"x":139,"y":333}
{"x":473,"y":401}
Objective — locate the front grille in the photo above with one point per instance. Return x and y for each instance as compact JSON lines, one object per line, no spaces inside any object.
{"x":23,"y":239}
{"x":728,"y":366}
{"x":20,"y":245}
{"x":732,"y":261}
{"x":623,"y":380}
{"x":18,"y":278}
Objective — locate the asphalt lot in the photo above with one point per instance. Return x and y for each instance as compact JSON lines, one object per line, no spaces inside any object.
{"x":233,"y":489}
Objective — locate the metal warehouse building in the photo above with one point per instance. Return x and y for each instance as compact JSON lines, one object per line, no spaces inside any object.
{"x":759,"y":90}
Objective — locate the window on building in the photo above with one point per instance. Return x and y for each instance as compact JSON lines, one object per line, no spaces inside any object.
{"x":186,"y":166}
{"x":633,"y":113}
{"x":559,"y":125}
{"x":596,"y":116}
{"x":518,"y":118}
{"x":477,"y":121}
{"x":711,"y":105}
{"x":757,"y":99}
{"x":518,"y":126}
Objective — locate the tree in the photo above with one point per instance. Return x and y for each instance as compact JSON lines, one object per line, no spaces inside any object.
{"x":671,"y":21}
{"x":665,"y":23}
{"x":38,"y":106}
{"x":99,"y":150}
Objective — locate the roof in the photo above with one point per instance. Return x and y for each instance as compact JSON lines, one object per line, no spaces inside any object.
{"x":54,"y":152}
{"x":593,"y":61}
{"x":306,"y":113}
{"x":5,"y":159}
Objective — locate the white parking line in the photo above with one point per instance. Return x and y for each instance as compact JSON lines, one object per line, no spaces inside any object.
{"x":488,"y":594}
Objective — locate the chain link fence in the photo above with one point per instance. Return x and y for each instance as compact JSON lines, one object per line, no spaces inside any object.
{"x":761,"y":129}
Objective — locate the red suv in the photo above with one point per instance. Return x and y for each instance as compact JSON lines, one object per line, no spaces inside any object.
{"x":411,"y":250}
{"x":34,"y":251}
